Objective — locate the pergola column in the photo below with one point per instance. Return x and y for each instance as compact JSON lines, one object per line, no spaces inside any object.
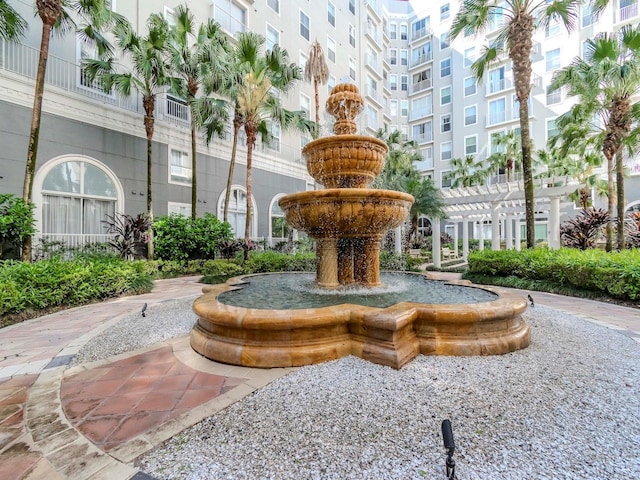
{"x":465,"y":238}
{"x":518,"y":235}
{"x":397,"y":239}
{"x":495,"y":225}
{"x":554,"y":223}
{"x":435,"y":242}
{"x":456,"y":225}
{"x":481,"y":234}
{"x":509,"y":232}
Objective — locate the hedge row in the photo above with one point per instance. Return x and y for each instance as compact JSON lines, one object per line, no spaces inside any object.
{"x":616,"y":274}
{"x":55,"y":283}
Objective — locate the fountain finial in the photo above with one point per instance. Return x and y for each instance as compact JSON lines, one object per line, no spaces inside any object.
{"x":344,"y":103}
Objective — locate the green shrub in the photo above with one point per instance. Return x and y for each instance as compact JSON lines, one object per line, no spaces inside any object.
{"x":270,"y":261}
{"x":181,"y":238}
{"x":218,"y":271}
{"x":55,"y":283}
{"x":16,"y":222}
{"x":615,"y":274}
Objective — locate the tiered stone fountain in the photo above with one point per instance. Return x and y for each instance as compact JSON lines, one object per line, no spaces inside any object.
{"x":348,"y":220}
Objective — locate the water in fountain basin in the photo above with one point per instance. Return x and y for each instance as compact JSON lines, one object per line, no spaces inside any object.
{"x":287,"y":291}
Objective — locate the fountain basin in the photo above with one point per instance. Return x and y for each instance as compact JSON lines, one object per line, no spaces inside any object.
{"x":390,"y":336}
{"x":345,"y":161}
{"x":346,"y":212}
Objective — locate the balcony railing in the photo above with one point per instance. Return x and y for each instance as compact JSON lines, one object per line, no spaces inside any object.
{"x":420,"y":112}
{"x":420,"y":86}
{"x":226,"y":20}
{"x":373,"y":34}
{"x":373,"y":94}
{"x":420,"y":33}
{"x":625,"y":13}
{"x":423,"y":137}
{"x":420,"y":59}
{"x":495,"y":86}
{"x":496,"y":117}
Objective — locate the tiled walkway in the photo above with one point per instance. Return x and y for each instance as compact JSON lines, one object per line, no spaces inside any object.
{"x":92,"y":421}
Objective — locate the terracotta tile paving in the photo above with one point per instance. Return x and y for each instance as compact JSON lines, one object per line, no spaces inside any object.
{"x":17,"y":458}
{"x":113,"y":403}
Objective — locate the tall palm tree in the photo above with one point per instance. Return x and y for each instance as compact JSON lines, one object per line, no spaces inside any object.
{"x":515,"y":36}
{"x":95,"y":17}
{"x":147,"y":72}
{"x":266,"y":74}
{"x":12,"y":25}
{"x":316,"y":71}
{"x":467,"y":172}
{"x":606,"y":82}
{"x":197,"y":54}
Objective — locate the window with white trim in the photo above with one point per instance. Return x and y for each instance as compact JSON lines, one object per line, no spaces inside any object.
{"x":469,"y":56}
{"x":279,"y":227}
{"x":445,"y":95}
{"x":471,"y":115}
{"x":331,"y":83}
{"x":445,"y":67}
{"x":393,"y":56}
{"x":273,"y":37}
{"x":393,"y":108}
{"x":393,"y":82}
{"x":404,"y":108}
{"x":237,"y":211}
{"x":469,"y":86}
{"x":445,"y":40}
{"x":445,"y":151}
{"x":445,"y":123}
{"x":404,"y":83}
{"x":331,"y":49}
{"x":231,"y":16}
{"x":552,"y":58}
{"x":352,"y":68}
{"x":352,"y":6}
{"x":422,"y":132}
{"x":352,"y":35}
{"x":553,"y":96}
{"x":446,"y":179}
{"x":304,"y":25}
{"x":404,"y":57}
{"x":305,"y":104}
{"x":393,"y":31}
{"x":180,"y":170}
{"x":445,"y":12}
{"x":176,"y":208}
{"x":471,"y":145}
{"x":331,"y":14}
{"x":274,"y":5}
{"x":404,"y":31}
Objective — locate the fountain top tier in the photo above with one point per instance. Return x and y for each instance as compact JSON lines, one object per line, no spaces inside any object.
{"x":345,"y":160}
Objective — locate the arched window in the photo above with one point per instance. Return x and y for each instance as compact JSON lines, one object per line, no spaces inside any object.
{"x":279,"y":229}
{"x":75,"y":194}
{"x":237,"y":213}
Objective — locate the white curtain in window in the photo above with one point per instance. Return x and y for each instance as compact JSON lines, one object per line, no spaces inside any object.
{"x":61,"y":215}
{"x":94,"y":212}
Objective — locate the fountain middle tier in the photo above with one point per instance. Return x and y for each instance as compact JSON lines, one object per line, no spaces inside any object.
{"x":348,"y":224}
{"x":346,"y":212}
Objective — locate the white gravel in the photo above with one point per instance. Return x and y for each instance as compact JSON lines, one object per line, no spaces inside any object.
{"x":566,"y":407}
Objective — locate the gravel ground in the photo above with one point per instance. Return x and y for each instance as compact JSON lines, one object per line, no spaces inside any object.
{"x":566,"y":407}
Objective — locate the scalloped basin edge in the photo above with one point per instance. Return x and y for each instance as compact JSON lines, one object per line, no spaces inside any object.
{"x":389,"y":336}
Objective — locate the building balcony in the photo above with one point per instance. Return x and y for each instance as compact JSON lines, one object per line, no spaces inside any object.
{"x":420,"y":34}
{"x":420,"y":60}
{"x":373,"y":94}
{"x":374,"y":66}
{"x":373,"y":35}
{"x":421,"y":86}
{"x":626,"y":13}
{"x":498,"y":86}
{"x":425,"y":137}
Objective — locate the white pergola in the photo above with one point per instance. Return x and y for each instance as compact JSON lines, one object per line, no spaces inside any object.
{"x":502,"y":202}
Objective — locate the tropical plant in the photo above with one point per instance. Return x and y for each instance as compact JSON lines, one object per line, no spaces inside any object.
{"x":147,"y":73}
{"x":606,"y":82}
{"x":264,"y":74}
{"x":12,"y":25}
{"x":16,"y":222}
{"x":316,"y":71}
{"x":199,"y":56}
{"x":467,"y":172}
{"x":130,"y":234}
{"x":95,"y":17}
{"x":508,"y":156}
{"x":584,"y":230}
{"x":519,"y":20}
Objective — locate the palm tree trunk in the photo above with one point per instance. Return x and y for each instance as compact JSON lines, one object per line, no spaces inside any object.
{"x":34,"y":135}
{"x":149,"y":123}
{"x":232,"y":164}
{"x":620,"y":197}
{"x":194,"y":166}
{"x":527,"y":173}
{"x":316,"y":130}
{"x":610,"y":201}
{"x":251,"y":140}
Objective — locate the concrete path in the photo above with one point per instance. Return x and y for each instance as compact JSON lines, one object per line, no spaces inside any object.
{"x":92,"y":421}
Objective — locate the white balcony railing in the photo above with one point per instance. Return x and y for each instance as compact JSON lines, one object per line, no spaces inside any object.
{"x":625,"y":13}
{"x":420,"y":59}
{"x":499,"y":85}
{"x":420,"y":33}
{"x":423,"y":137}
{"x":419,"y":86}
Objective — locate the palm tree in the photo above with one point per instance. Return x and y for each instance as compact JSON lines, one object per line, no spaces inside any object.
{"x":515,"y":35}
{"x":316,"y":70}
{"x":96,"y":16}
{"x":467,"y":172}
{"x":606,"y":81}
{"x":12,"y":25}
{"x":149,"y":75}
{"x":509,"y":155}
{"x":197,"y":55}
{"x":259,"y":103}
{"x":400,"y":173}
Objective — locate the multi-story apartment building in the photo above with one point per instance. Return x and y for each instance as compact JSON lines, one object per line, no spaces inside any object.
{"x":92,"y":154}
